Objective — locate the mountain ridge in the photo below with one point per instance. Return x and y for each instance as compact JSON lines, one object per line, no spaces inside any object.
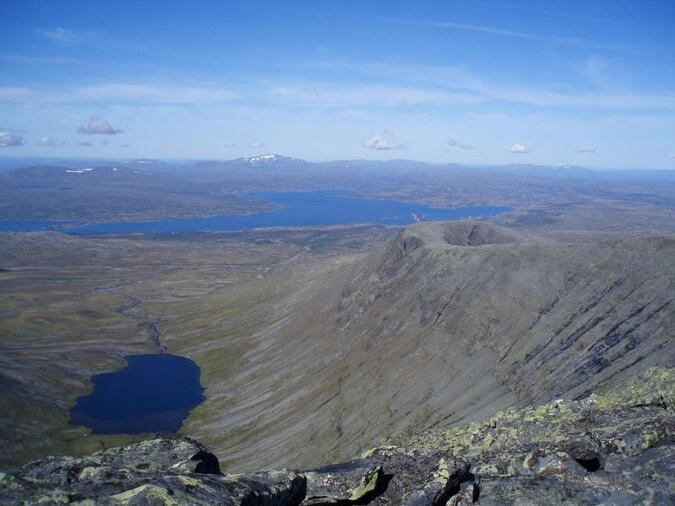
{"x":421,"y":333}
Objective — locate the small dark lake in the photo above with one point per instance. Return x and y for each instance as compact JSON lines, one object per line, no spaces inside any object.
{"x":294,"y":209}
{"x":154,"y":393}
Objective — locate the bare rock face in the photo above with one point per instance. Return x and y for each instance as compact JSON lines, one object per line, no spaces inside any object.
{"x":614,"y":448}
{"x":159,"y":471}
{"x":388,"y":475}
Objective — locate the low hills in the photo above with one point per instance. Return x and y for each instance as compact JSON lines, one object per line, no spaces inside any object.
{"x":566,"y":200}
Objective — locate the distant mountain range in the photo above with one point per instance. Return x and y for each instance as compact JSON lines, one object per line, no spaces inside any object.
{"x":569,"y":197}
{"x":267,"y":159}
{"x":280,"y":161}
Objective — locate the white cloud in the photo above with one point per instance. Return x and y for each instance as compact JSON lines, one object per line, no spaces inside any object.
{"x":671,"y":155}
{"x":60,"y":35}
{"x":563,"y":41}
{"x":587,"y":150}
{"x":454,"y":144}
{"x":120,"y":93}
{"x":154,"y":93}
{"x":16,"y":93}
{"x":98,"y":126}
{"x":449,"y":85}
{"x":520,"y":148}
{"x":327,"y":95}
{"x":473,"y":28}
{"x":256,"y":145}
{"x":229,"y":145}
{"x":50,"y":141}
{"x":543,"y":12}
{"x":8,"y":139}
{"x":441,"y":87}
{"x":385,"y":142}
{"x":37,"y":60}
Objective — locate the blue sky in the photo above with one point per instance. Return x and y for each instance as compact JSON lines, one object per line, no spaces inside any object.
{"x":551,"y":82}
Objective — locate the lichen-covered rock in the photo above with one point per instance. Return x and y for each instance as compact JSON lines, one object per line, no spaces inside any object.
{"x":388,"y":476}
{"x":615,"y":448}
{"x":351,"y":483}
{"x":261,"y":489}
{"x":157,"y":472}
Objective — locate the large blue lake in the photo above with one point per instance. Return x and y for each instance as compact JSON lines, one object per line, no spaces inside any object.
{"x":30,"y":225}
{"x":294,"y":209}
{"x":154,"y":393}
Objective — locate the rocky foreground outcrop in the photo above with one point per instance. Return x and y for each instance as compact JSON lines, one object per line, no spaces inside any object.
{"x":612,"y":448}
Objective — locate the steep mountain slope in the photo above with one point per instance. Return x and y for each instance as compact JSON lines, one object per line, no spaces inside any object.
{"x":74,"y":306}
{"x":444,"y":323}
{"x":557,"y":318}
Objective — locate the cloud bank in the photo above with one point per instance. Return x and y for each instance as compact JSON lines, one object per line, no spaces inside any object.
{"x":520,"y":148}
{"x":50,"y":141}
{"x":8,"y":139}
{"x":60,"y":35}
{"x":385,"y":142}
{"x":454,"y":144}
{"x":98,"y":126}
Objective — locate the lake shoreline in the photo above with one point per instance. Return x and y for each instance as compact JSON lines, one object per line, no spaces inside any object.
{"x":153,"y":393}
{"x":292,"y":210}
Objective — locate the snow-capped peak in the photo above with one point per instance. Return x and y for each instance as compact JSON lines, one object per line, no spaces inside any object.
{"x":264,"y":158}
{"x":79,"y":171}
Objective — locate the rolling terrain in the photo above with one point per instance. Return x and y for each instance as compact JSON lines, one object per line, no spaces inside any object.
{"x":111,"y":192}
{"x":72,"y":307}
{"x":480,"y":362}
{"x":315,"y":344}
{"x":569,"y":201}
